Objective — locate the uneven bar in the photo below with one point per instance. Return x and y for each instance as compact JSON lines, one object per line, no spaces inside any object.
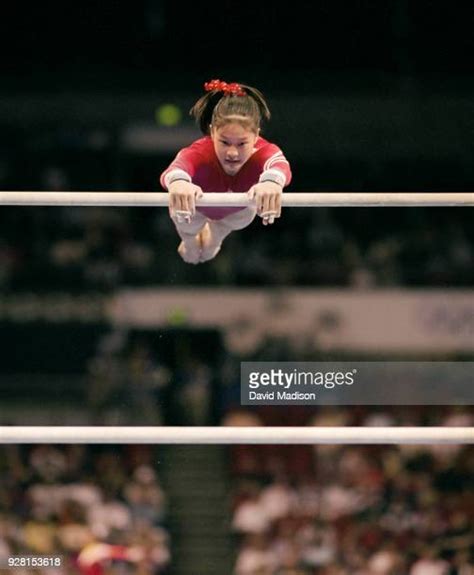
{"x":237,"y":435}
{"x":230,"y":199}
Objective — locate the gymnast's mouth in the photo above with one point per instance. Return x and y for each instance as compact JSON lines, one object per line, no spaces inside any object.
{"x":232,"y":165}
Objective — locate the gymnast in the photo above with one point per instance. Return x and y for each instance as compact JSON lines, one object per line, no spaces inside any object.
{"x":230,"y":157}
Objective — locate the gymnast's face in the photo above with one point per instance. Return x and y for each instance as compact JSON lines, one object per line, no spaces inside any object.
{"x":234,"y":143}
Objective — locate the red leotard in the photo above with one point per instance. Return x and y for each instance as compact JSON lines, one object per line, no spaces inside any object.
{"x":200,"y":162}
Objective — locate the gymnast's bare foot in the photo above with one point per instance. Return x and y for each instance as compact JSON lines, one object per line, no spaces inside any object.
{"x":210,"y":247}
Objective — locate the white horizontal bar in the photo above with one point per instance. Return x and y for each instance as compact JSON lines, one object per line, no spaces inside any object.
{"x":242,"y":435}
{"x":290,"y":199}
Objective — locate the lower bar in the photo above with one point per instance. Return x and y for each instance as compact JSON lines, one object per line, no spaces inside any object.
{"x":238,"y":435}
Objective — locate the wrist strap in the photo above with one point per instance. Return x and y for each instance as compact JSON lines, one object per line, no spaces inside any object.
{"x":274,"y":176}
{"x":176,"y":175}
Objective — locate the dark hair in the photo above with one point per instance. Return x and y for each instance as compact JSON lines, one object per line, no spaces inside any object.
{"x":217,"y":108}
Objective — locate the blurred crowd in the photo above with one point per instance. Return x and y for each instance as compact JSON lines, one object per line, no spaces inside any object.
{"x":149,"y":378}
{"x":353,"y":510}
{"x":99,"y":509}
{"x":293,"y":510}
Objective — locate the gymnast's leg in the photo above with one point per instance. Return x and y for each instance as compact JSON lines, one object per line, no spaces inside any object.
{"x":191,"y":241}
{"x":215,"y":231}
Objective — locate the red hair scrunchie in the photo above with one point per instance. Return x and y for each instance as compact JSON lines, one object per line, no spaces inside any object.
{"x":232,"y":89}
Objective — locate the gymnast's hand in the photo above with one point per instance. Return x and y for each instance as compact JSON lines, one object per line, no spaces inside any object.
{"x":182,"y":200}
{"x":267,"y":196}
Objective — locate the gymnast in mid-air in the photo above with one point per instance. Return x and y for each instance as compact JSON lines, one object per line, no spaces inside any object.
{"x":230,"y":157}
